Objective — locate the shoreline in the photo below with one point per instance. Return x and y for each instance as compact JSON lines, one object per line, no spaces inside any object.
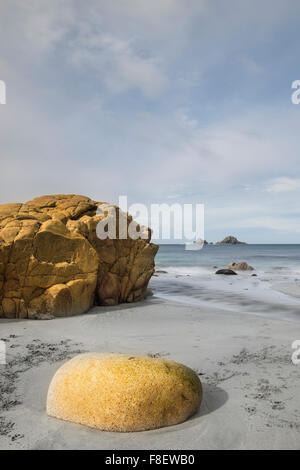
{"x":263,"y":295}
{"x":251,"y":397}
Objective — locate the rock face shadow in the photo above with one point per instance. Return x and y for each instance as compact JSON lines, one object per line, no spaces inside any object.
{"x":213,"y":398}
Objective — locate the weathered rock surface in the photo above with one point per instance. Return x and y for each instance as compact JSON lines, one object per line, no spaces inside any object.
{"x":123,"y":393}
{"x":230,"y":240}
{"x":241,"y":266}
{"x":53,"y":264}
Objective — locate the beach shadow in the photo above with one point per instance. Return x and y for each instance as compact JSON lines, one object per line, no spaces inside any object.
{"x":213,"y":398}
{"x":151,"y":300}
{"x":70,"y":434}
{"x":96,"y":310}
{"x":11,"y":320}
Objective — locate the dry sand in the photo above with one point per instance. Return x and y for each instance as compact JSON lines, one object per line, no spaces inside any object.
{"x":251,"y":387}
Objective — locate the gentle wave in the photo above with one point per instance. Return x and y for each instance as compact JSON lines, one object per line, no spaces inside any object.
{"x":192,"y":280}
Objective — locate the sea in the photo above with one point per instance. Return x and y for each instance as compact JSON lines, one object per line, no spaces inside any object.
{"x":189,"y":277}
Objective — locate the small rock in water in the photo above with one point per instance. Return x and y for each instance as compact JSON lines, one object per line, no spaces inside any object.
{"x":241,"y":266}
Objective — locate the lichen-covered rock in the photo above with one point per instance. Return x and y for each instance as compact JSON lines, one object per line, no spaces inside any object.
{"x":123,"y":393}
{"x":53,"y":264}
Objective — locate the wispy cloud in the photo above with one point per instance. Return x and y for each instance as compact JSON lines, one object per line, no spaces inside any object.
{"x":153,"y":99}
{"x":118,"y":65}
{"x":283,"y":184}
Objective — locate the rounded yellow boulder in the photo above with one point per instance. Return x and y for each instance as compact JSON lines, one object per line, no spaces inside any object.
{"x":123,"y":393}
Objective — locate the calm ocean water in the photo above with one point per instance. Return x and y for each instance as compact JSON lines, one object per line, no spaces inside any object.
{"x":263,"y":257}
{"x":190,"y":278}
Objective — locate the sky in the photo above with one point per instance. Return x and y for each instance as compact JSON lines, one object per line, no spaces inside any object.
{"x":168,"y":101}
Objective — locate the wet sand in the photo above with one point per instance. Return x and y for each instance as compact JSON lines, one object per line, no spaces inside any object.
{"x":251,"y":387}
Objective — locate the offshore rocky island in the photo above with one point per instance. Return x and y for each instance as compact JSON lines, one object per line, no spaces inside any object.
{"x":230,"y":240}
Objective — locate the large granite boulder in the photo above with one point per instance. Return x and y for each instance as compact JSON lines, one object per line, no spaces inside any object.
{"x":123,"y":393}
{"x":52,"y":262}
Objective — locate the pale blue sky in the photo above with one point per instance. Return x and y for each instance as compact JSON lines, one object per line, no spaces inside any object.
{"x":165,"y":101}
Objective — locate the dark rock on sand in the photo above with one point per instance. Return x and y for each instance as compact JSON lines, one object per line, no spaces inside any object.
{"x":228,"y":272}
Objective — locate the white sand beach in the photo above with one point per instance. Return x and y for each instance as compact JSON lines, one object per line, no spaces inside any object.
{"x":251,"y":387}
{"x":149,"y":206}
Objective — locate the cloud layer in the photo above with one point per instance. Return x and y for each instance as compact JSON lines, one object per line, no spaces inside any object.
{"x":156,"y":100}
